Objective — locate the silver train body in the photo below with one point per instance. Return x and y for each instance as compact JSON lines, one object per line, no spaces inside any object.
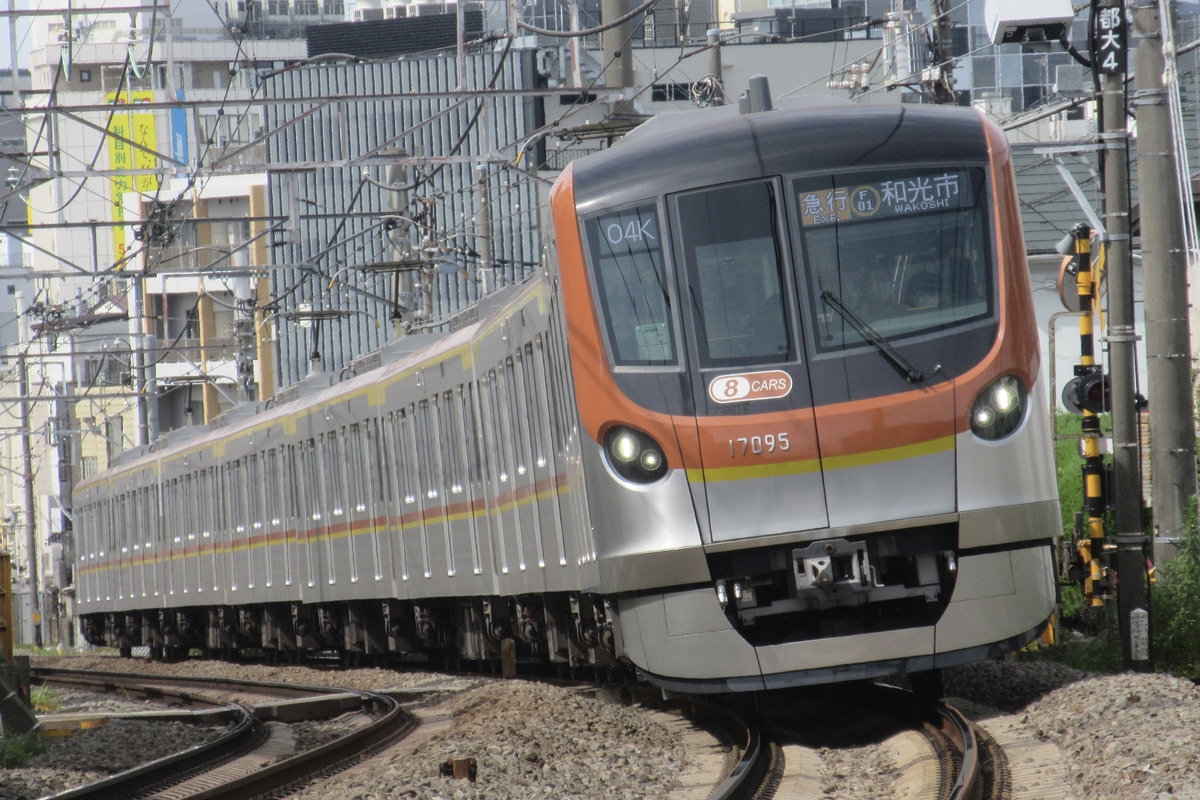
{"x":605,"y":480}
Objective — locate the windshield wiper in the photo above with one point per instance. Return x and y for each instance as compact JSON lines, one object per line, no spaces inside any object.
{"x":902,"y":364}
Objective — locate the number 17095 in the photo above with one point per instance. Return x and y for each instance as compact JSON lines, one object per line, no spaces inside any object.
{"x":758,"y":445}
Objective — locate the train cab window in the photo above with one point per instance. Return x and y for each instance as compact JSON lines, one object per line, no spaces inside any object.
{"x":895,"y":254}
{"x":734,"y":274}
{"x":632,"y":286}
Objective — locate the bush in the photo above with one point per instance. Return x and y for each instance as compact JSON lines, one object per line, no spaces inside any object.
{"x":1175,"y":610}
{"x":16,"y":750}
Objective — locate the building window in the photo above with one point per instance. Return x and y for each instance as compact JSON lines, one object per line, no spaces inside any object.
{"x":664,"y":92}
{"x":85,"y":76}
{"x":306,"y":8}
{"x":335,"y":8}
{"x":277,"y":8}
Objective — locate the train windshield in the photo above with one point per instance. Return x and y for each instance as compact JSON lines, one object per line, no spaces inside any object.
{"x":730,"y":249}
{"x":905,"y":252}
{"x":626,"y":249}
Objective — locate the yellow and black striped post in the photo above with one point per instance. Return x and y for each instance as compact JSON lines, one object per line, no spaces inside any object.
{"x":1091,"y":547}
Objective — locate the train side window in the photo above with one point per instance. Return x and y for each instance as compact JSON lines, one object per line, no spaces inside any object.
{"x":330,"y":464}
{"x":393,"y":444}
{"x":425,"y":467}
{"x":735,"y":274}
{"x":472,"y":433}
{"x":527,"y":422}
{"x":216,"y":502}
{"x":518,"y":412}
{"x":632,"y":286}
{"x":308,"y":501}
{"x":359,"y":486}
{"x":335,"y":466}
{"x":149,"y":520}
{"x":419,"y":454}
{"x":451,"y":443}
{"x":171,"y":536}
{"x":558,"y":382}
{"x":235,"y":524}
{"x":355,"y":488}
{"x":373,"y":477}
{"x":448,"y":442}
{"x":272,"y":522}
{"x":500,"y":402}
{"x":491,"y":432}
{"x":531,"y":364}
{"x":117,"y":552}
{"x":465,"y":413}
{"x":289,"y":477}
{"x":254,"y":507}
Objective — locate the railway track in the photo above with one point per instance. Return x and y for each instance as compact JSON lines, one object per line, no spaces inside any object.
{"x":786,"y":747}
{"x":254,"y":757}
{"x":822,"y":746}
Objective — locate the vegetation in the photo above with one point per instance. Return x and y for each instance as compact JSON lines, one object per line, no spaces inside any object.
{"x":1076,"y":613}
{"x":16,"y":750}
{"x":1175,"y":617}
{"x":45,"y":701}
{"x":1175,"y":593}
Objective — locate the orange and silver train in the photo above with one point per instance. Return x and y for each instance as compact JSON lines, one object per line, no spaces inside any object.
{"x":773,"y":415}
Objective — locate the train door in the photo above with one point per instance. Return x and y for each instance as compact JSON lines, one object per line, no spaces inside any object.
{"x":760,"y":470}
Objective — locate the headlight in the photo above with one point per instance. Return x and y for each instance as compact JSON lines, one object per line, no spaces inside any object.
{"x":634,"y":455}
{"x":999,"y":408}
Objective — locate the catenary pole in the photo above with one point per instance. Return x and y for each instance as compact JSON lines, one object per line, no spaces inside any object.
{"x":1130,"y":539}
{"x":31,"y":552}
{"x":617,"y":43}
{"x":1165,"y":281}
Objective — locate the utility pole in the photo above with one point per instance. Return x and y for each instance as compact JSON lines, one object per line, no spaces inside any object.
{"x":1131,"y":539}
{"x":1164,"y":264}
{"x":31,"y":552}
{"x":943,"y":52}
{"x":617,"y":44}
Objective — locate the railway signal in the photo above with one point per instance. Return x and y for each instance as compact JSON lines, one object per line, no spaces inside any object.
{"x":1086,"y":394}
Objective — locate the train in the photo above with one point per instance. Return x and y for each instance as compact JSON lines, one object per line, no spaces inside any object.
{"x":771,"y":415}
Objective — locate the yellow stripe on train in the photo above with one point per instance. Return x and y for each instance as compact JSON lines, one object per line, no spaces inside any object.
{"x":781,"y":470}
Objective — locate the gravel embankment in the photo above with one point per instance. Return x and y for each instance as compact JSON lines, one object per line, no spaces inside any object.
{"x":93,"y":754}
{"x":1121,"y":737}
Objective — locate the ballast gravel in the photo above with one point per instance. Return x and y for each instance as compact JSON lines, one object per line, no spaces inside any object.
{"x":1118,"y":737}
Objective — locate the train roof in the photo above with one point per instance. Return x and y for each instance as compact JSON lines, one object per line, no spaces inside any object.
{"x":706,"y":149}
{"x":397,"y":358}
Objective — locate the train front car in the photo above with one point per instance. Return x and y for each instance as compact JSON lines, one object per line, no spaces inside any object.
{"x":806,"y":358}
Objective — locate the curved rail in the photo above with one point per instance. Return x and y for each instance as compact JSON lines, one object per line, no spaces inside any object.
{"x":244,"y":734}
{"x":747,"y":772}
{"x":947,"y":762}
{"x":950,"y":726}
{"x":959,"y":730}
{"x":391,"y":723}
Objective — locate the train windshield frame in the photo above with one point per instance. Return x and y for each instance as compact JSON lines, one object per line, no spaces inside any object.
{"x":906,"y":251}
{"x":632,"y":283}
{"x":731,"y":251}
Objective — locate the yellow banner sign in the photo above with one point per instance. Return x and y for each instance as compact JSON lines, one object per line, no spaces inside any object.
{"x":139,"y":127}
